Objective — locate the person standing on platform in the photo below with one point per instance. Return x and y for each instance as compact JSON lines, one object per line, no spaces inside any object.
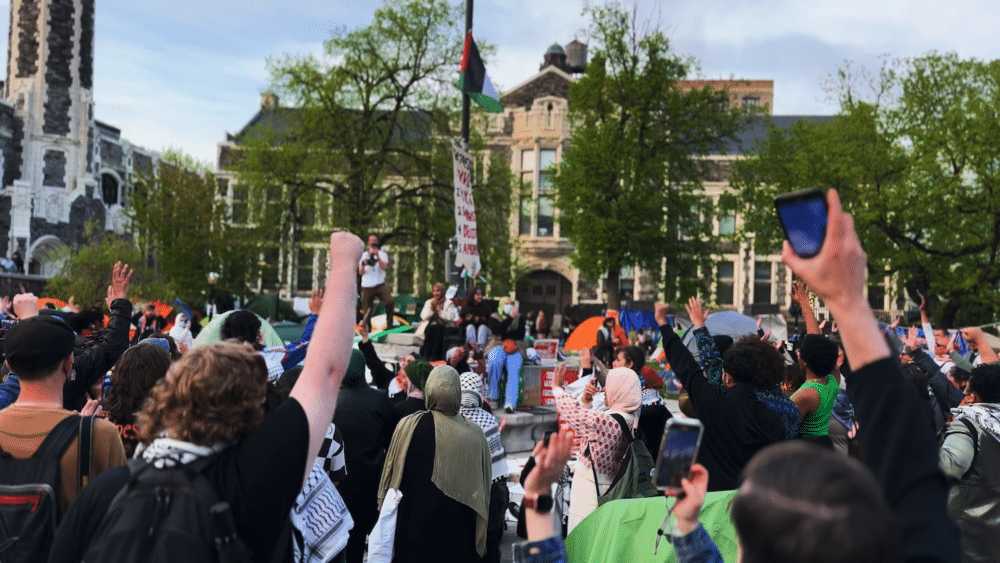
{"x":372,"y":267}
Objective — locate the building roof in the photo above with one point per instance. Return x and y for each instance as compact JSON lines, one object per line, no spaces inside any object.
{"x":555,"y":49}
{"x":756,"y":131}
{"x":550,"y":81}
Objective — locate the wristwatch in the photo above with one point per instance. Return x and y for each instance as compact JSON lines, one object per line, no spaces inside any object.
{"x":540,"y":503}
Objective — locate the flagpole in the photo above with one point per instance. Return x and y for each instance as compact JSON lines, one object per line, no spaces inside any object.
{"x":465,"y":96}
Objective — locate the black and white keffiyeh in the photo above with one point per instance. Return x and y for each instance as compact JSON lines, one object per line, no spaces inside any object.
{"x":986,"y":416}
{"x":472,"y":403}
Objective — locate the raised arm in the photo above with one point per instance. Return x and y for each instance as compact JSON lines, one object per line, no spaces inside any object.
{"x":975,"y":336}
{"x":327,"y":357}
{"x":800,"y":294}
{"x":897,"y":443}
{"x":711,"y":359}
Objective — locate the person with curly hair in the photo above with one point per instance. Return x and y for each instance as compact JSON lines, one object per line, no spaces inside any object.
{"x":133,"y":376}
{"x":211,"y":404}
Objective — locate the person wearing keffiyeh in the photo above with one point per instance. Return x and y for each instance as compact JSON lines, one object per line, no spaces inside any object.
{"x":472,"y":409}
{"x":970,"y":456}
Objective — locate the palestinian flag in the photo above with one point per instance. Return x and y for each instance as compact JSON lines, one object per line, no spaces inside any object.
{"x":473,"y":80}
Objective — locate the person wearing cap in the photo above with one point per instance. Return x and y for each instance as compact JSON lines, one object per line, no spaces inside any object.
{"x":40,"y":350}
{"x":90,"y":364}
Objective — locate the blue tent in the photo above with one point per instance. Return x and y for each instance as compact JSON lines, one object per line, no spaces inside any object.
{"x":637,"y":320}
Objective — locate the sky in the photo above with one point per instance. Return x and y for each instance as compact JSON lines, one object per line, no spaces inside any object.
{"x":182,"y":73}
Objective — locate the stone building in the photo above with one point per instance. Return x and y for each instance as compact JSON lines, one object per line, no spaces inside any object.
{"x":535,"y":127}
{"x":62,"y":169}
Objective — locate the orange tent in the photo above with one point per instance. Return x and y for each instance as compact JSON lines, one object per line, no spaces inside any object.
{"x":585,"y":335}
{"x":57,"y":303}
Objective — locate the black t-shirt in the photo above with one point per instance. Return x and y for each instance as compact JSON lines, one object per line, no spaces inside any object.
{"x":260,"y":478}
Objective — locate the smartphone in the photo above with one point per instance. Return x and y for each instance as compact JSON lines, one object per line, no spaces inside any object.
{"x":547,"y":437}
{"x":678,"y":450}
{"x":803,"y":218}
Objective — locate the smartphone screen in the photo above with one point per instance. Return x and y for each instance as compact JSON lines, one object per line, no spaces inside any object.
{"x":803,"y":216}
{"x":677,"y":453}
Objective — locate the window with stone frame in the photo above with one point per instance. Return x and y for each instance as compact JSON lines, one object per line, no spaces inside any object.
{"x":525,"y":205}
{"x":876,"y":296}
{"x":546,"y":216}
{"x":762,"y":282}
{"x":304,"y":269}
{"x":239,"y":211}
{"x":725,"y":283}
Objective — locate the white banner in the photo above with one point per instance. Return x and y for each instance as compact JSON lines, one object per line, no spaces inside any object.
{"x":467,"y":252}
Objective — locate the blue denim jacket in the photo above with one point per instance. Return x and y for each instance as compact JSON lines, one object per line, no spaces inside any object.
{"x":9,"y":390}
{"x":550,"y":550}
{"x":696,"y":547}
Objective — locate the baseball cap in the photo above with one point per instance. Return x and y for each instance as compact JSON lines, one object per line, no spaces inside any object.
{"x":38,"y":342}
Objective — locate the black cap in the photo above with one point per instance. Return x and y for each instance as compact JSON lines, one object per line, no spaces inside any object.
{"x":38,"y":342}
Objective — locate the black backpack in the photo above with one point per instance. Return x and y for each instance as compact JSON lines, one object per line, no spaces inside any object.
{"x":29,"y":495}
{"x":167,"y":514}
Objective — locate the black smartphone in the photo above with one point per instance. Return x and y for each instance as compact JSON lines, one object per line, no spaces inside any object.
{"x":803,"y":218}
{"x":678,"y":450}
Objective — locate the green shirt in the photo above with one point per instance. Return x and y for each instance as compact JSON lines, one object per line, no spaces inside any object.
{"x":818,"y":423}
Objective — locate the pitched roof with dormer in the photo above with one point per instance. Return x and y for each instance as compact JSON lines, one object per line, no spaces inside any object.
{"x":550,"y":81}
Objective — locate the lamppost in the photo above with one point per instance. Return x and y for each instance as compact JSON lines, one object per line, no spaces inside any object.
{"x":277,"y":299}
{"x":213,"y":278}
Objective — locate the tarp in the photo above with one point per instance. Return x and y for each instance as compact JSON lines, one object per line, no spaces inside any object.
{"x":625,"y":531}
{"x":637,"y":320}
{"x":585,"y":335}
{"x":731,"y":323}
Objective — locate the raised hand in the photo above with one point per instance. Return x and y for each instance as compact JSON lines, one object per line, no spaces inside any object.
{"x":121,"y":279}
{"x":316,"y":301}
{"x":660,"y":313}
{"x":549,"y":462}
{"x":696,"y":313}
{"x":558,"y":374}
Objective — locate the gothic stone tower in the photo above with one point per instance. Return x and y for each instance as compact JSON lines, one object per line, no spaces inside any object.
{"x":48,"y":160}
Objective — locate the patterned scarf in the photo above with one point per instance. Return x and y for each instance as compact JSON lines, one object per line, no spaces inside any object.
{"x":472,"y":409}
{"x":985,"y":416}
{"x":168,"y":452}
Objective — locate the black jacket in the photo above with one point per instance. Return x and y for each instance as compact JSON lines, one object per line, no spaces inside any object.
{"x":899,"y":448}
{"x":91,"y":364}
{"x":737,"y":424}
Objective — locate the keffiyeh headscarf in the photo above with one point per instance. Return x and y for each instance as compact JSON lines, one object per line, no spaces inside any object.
{"x":472,"y":409}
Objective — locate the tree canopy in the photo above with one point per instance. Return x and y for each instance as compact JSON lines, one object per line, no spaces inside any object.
{"x":629,"y":187}
{"x":366,"y":145}
{"x":917,"y":164}
{"x":186,"y":229}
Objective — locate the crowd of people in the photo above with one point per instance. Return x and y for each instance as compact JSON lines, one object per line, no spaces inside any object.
{"x":867,"y":443}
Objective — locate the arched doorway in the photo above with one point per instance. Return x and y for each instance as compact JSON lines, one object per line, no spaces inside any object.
{"x":46,"y":256}
{"x":546,"y":291}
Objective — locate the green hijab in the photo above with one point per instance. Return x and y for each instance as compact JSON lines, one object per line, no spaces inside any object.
{"x":456,"y":442}
{"x":417,"y":372}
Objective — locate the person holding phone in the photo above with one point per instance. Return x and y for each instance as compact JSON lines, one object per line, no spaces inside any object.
{"x":601,"y":438}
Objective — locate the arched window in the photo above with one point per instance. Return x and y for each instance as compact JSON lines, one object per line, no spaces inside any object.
{"x":109,"y":189}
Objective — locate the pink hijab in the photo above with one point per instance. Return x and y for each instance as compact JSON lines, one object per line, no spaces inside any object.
{"x":623,"y":392}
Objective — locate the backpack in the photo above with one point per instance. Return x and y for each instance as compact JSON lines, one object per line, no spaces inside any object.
{"x":635,"y":474}
{"x":167,"y":514}
{"x":29,"y":495}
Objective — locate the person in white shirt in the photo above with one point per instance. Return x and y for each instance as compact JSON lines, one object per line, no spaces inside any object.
{"x":372,"y":270}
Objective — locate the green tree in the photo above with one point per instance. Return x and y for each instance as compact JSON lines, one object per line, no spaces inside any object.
{"x":366,"y":146}
{"x":916,"y":164}
{"x":629,"y":188}
{"x":187,"y":231}
{"x":86,"y":273}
